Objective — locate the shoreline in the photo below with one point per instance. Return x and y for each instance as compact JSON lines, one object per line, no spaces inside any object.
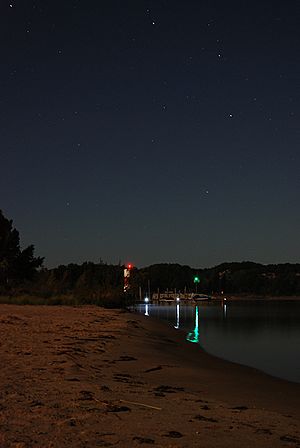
{"x":183,"y":340}
{"x":88,"y":376}
{"x":239,"y":297}
{"x":72,"y":301}
{"x":223,"y":369}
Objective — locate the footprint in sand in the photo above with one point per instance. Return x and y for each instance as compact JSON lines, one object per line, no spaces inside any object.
{"x":240,"y":408}
{"x":153,"y":369}
{"x":133,"y":323}
{"x":115,"y":408}
{"x":122,"y":377}
{"x":86,"y":395}
{"x":168,"y":389}
{"x":205,"y":407}
{"x":143,"y":440}
{"x":205,"y":419}
{"x":173,"y":434}
{"x":126,"y":358}
{"x":264,"y":431}
{"x":291,"y":439}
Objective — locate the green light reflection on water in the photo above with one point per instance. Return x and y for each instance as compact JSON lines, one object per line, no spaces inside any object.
{"x":193,"y":336}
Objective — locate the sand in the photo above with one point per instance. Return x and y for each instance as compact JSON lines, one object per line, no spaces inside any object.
{"x":91,"y":377}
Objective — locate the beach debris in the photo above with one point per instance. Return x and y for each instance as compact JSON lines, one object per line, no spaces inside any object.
{"x":141,"y":404}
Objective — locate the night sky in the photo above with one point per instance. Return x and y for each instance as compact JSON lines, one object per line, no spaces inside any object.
{"x":151,"y":131}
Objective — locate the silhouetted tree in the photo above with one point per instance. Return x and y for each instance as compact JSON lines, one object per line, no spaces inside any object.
{"x":16,"y":265}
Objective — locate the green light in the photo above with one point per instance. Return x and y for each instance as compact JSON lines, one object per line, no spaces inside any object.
{"x":196,"y":279}
{"x":193,"y":336}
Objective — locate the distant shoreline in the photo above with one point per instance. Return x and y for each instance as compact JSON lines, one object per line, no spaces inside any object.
{"x":240,"y":297}
{"x":72,"y":300}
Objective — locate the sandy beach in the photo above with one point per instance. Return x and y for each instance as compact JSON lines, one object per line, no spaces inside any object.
{"x":92,"y":377}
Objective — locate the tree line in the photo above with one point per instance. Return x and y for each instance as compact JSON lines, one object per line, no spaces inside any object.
{"x":100,"y":283}
{"x":245,"y":278}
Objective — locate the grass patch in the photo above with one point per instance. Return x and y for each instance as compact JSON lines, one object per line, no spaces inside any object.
{"x":66,"y":300}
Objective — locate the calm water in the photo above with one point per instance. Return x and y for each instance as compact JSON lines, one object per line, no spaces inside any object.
{"x":264,"y":335}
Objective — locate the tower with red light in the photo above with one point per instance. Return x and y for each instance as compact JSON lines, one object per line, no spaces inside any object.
{"x":127,"y":272}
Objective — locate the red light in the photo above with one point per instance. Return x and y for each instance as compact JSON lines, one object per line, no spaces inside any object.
{"x":129,"y":266}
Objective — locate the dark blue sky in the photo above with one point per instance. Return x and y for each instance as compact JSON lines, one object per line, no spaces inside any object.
{"x":151,"y":131}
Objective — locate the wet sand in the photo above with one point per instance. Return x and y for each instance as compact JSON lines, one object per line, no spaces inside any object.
{"x":90,"y":377}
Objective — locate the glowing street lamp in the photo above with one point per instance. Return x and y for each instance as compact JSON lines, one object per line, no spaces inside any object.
{"x":196,"y":281}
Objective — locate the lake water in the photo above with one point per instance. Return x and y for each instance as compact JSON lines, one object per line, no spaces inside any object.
{"x":264,"y":335}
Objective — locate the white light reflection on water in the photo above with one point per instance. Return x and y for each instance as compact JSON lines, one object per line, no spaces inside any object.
{"x":224,"y":310}
{"x":177,"y":316}
{"x":146,"y":309}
